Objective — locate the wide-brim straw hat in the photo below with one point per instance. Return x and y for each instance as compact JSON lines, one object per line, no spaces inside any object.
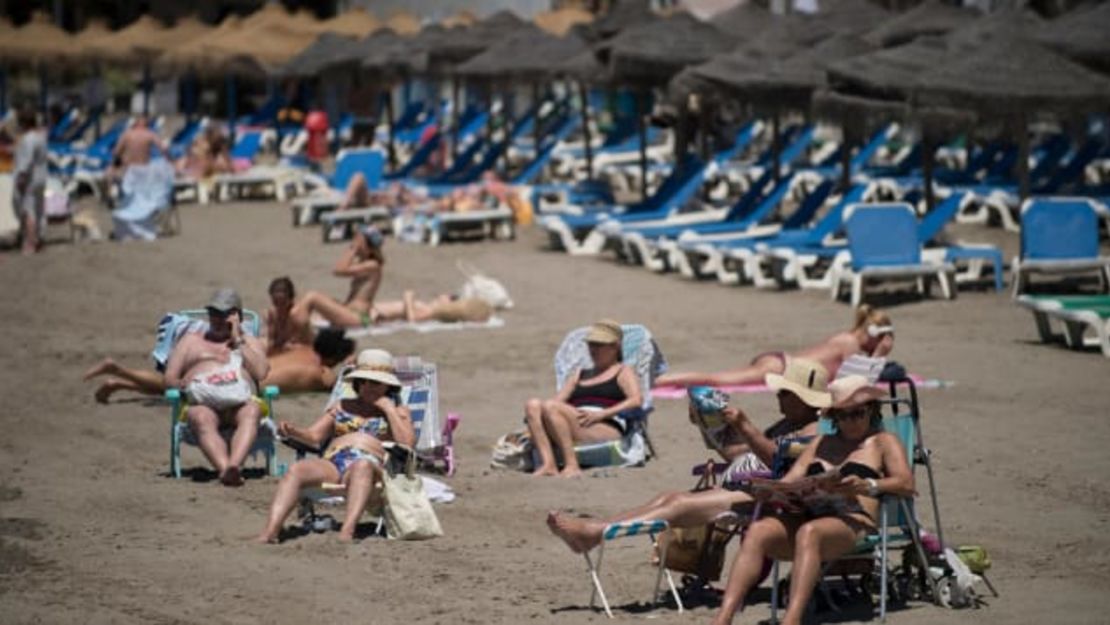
{"x":605,"y":331}
{"x":853,"y":390}
{"x":806,"y":379}
{"x":375,"y":365}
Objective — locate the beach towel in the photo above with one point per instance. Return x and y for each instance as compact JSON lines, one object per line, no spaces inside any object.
{"x":389,"y":327}
{"x":678,"y":392}
{"x":146,"y":191}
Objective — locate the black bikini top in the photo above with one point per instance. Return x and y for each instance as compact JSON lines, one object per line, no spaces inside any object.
{"x":857,"y":469}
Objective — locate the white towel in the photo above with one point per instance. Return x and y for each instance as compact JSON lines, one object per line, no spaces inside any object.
{"x":390,"y":327}
{"x":437,"y":491}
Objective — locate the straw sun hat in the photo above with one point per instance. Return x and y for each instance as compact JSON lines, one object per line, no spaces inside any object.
{"x":806,"y":379}
{"x":376,"y":365}
{"x":853,"y":390}
{"x":605,"y":331}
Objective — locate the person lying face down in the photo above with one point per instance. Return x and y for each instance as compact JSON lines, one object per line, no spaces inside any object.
{"x":863,"y":462}
{"x":219,"y":371}
{"x":801,"y":392}
{"x":353,"y":430}
{"x":872,"y":334}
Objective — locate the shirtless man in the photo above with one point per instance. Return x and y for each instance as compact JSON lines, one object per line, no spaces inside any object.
{"x":871,"y":335}
{"x":218,"y":371}
{"x":135,"y":145}
{"x":282,"y":330}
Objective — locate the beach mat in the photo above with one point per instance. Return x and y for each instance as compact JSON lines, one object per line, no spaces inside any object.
{"x":423,"y":327}
{"x":679,"y":392}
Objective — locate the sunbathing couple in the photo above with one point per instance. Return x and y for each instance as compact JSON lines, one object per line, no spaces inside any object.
{"x":399,"y":197}
{"x":868,"y":462}
{"x":363,"y":262}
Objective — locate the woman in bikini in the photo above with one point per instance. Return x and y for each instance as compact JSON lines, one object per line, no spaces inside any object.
{"x":588,"y":407}
{"x":282,"y":330}
{"x":863,"y":463}
{"x":362,"y":262}
{"x":872,"y":334}
{"x":801,"y":393}
{"x":353,"y":430}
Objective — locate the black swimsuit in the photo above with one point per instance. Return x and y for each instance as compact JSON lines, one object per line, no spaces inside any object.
{"x":601,"y":395}
{"x":857,"y":469}
{"x":837,"y":506}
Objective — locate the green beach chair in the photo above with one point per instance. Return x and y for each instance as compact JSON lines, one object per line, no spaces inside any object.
{"x":1085,"y":319}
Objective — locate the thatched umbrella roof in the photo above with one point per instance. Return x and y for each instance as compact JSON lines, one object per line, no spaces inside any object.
{"x":623,"y":14}
{"x":560,"y":22}
{"x":393,"y":53}
{"x":39,"y":40}
{"x":462,"y":18}
{"x":653,"y":52}
{"x":403,"y":23}
{"x":1008,"y":75}
{"x":460,"y":44}
{"x":323,"y":52}
{"x":1008,"y":24}
{"x":205,"y":52}
{"x":356,"y":22}
{"x":777,"y":82}
{"x":525,"y":55}
{"x":888,"y":74}
{"x":931,"y":17}
{"x":848,"y":16}
{"x":1083,"y":35}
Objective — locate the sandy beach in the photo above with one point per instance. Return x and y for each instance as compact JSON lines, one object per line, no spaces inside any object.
{"x":92,"y":529}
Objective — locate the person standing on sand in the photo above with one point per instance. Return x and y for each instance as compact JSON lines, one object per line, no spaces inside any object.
{"x":29,"y":168}
{"x":218,"y":371}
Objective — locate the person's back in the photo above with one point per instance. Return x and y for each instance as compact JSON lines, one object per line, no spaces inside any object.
{"x":136,"y":143}
{"x":832,"y":351}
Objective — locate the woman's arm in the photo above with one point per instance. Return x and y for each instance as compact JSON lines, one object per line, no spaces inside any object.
{"x":400,"y":424}
{"x":763,"y":447}
{"x":798,"y":469}
{"x":899,"y":477}
{"x":568,"y":387}
{"x":314,"y":435}
{"x":348,"y":265}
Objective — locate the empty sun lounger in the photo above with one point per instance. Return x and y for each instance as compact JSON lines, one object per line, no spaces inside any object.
{"x":1059,"y":236}
{"x":1079,"y":315}
{"x":328,"y":191}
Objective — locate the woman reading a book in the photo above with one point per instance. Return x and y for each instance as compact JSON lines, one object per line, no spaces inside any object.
{"x":801,"y":393}
{"x":872,"y":334}
{"x":827,"y":501}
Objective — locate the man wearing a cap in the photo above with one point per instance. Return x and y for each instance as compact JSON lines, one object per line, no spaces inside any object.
{"x":802,"y":390}
{"x":219,"y":372}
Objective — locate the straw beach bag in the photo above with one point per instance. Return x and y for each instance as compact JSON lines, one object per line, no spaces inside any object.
{"x":408,"y":512}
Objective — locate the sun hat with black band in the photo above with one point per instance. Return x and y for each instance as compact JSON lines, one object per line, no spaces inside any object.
{"x":375,"y":365}
{"x":605,"y":331}
{"x":806,"y":379}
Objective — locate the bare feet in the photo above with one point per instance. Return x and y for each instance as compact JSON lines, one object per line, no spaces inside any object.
{"x":231,"y":477}
{"x":571,"y":472}
{"x":346,"y":537}
{"x":576,"y":533}
{"x":266,"y":539}
{"x":104,"y":391}
{"x":101,"y":368}
{"x":545,"y":471}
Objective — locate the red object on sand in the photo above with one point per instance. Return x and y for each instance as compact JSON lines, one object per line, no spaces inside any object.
{"x":316,"y":123}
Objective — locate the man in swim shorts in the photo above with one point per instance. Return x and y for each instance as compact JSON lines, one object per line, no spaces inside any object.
{"x":218,"y":372}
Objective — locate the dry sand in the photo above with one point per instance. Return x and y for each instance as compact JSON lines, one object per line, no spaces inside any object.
{"x":93,"y":531}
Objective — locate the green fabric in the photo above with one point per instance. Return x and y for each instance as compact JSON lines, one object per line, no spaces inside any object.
{"x":1098,"y":304}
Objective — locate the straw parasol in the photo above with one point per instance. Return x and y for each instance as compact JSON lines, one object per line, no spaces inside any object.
{"x":653,"y":52}
{"x":462,"y":18}
{"x":622,"y":14}
{"x":560,"y":22}
{"x":932,"y":17}
{"x":319,"y":55}
{"x":529,"y":54}
{"x":460,"y":44}
{"x":356,"y":22}
{"x":1083,"y":35}
{"x":203,"y":51}
{"x":38,"y":41}
{"x":403,"y":23}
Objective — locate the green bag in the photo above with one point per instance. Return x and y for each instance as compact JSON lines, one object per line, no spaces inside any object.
{"x":975,"y":557}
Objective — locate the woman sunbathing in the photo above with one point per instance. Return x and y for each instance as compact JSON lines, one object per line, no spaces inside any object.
{"x":872,"y":334}
{"x":282,"y":332}
{"x":362,"y":262}
{"x":588,"y":408}
{"x":862,"y":463}
{"x":297,"y":369}
{"x":801,"y":392}
{"x":353,"y":430}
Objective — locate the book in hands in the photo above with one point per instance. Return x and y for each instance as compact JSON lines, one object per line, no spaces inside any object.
{"x":706,"y":406}
{"x":812,"y":491}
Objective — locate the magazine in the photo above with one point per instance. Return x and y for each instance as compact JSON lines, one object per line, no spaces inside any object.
{"x":706,"y":406}
{"x":808,"y":493}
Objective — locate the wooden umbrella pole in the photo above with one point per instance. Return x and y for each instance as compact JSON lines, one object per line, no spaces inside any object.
{"x":389,"y":123}
{"x":231,"y":109}
{"x":586,"y":129}
{"x":455,"y":116}
{"x":776,"y":147}
{"x":846,"y":161}
{"x":928,"y":155}
{"x":641,"y":96}
{"x":1023,"y":154}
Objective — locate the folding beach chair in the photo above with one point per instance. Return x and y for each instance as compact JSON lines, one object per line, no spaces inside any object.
{"x":1059,"y":236}
{"x":170,"y":330}
{"x":884,"y":244}
{"x":1078,"y":314}
{"x":920,"y":574}
{"x":640,"y":352}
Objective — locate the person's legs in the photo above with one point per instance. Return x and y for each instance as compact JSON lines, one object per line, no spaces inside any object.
{"x":329,"y":309}
{"x":246,"y":430}
{"x":30,"y":223}
{"x":311,"y":472}
{"x":751,"y":374}
{"x":145,"y":380}
{"x":356,"y":194}
{"x":360,"y":478}
{"x":205,"y":424}
{"x":557,"y":418}
{"x":767,"y":537}
{"x":110,"y":386}
{"x":679,"y":508}
{"x":814,"y":542}
{"x":533,"y":416}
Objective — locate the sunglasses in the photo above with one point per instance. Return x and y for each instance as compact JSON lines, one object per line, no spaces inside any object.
{"x":844,"y":415}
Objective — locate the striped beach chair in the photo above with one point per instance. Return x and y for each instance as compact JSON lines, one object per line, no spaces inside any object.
{"x":613,"y":531}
